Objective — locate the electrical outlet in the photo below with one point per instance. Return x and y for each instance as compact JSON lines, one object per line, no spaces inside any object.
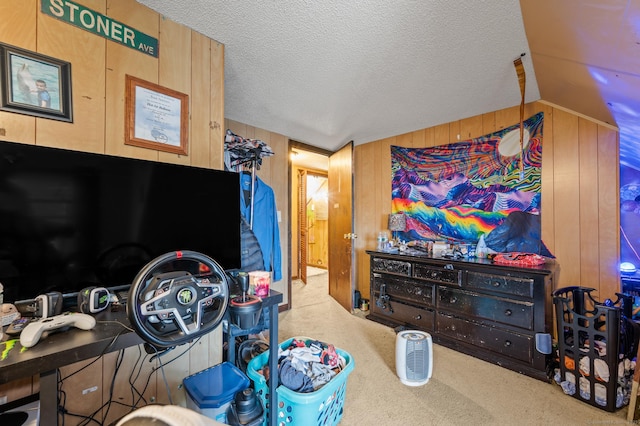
{"x":89,"y":390}
{"x":3,"y":400}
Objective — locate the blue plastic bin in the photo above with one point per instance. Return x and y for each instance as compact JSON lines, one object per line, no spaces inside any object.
{"x":211,"y":391}
{"x":326,"y":405}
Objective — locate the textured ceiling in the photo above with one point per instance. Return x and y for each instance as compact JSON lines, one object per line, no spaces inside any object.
{"x":328,"y":72}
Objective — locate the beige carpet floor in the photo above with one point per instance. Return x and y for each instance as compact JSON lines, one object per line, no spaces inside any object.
{"x":313,"y":271}
{"x":462,"y":390}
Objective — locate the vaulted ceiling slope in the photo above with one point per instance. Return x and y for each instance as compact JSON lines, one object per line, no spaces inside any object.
{"x":587,"y":58}
{"x":327,"y":72}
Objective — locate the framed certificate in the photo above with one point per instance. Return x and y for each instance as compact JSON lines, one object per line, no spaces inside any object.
{"x":156,"y":117}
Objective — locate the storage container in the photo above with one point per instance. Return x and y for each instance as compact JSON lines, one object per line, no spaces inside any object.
{"x":322,"y":407}
{"x":592,"y":342}
{"x":211,"y":391}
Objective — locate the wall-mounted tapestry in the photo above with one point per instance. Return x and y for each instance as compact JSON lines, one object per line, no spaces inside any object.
{"x":488,"y":186}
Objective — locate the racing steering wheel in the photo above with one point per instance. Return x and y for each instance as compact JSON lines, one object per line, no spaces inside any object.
{"x":177,"y":297}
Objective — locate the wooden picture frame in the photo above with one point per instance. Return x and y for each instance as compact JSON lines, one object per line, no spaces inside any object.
{"x":35,"y":84}
{"x":156,"y":117}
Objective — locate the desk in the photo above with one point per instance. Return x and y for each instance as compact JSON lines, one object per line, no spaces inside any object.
{"x":61,"y":349}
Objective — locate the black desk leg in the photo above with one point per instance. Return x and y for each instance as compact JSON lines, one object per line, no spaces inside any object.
{"x":49,"y":397}
{"x":231,"y":345}
{"x":273,"y":365}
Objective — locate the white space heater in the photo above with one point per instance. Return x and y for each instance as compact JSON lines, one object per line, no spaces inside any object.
{"x":414,"y":357}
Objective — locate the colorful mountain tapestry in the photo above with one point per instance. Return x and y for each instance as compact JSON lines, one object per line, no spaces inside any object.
{"x":467,"y":189}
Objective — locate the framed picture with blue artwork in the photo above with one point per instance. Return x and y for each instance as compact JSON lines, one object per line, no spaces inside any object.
{"x":35,"y":84}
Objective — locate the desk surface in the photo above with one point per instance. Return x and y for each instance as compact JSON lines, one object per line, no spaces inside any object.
{"x":64,"y":348}
{"x":111,"y":333}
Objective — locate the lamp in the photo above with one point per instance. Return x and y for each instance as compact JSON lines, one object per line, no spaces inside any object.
{"x":397,"y":222}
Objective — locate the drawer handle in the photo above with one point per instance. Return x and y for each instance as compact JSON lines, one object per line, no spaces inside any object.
{"x":453,"y":300}
{"x":417,"y":317}
{"x":508,"y":312}
{"x":507,"y":343}
{"x":496,"y":283}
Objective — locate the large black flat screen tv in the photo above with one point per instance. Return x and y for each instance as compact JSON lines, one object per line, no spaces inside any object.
{"x":72,"y":219}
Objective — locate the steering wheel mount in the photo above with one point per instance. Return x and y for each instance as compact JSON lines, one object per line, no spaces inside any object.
{"x":177,"y":297}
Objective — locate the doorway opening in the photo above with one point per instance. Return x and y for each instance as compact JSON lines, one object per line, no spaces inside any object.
{"x":338,"y":167}
{"x":309,"y":212}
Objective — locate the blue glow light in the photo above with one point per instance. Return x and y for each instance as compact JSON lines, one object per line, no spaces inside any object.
{"x":627,"y":268}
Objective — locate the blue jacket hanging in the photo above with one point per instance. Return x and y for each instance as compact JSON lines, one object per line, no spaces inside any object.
{"x":265,"y":221}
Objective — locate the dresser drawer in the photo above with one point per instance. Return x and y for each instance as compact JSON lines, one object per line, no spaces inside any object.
{"x":423,"y":319}
{"x":390,"y":265}
{"x":500,"y":283}
{"x":444,"y":274}
{"x":403,"y":288}
{"x":505,"y":311}
{"x":486,"y":310}
{"x":513,"y":345}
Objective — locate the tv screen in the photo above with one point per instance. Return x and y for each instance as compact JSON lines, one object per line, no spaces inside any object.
{"x":72,"y":219}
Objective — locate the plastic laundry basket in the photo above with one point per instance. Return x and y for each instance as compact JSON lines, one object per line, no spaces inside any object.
{"x":326,"y":405}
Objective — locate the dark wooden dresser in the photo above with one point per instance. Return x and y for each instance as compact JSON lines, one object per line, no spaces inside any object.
{"x":489,"y":311}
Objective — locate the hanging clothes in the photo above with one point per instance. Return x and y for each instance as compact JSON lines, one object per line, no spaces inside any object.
{"x":265,"y":221}
{"x":239,"y":151}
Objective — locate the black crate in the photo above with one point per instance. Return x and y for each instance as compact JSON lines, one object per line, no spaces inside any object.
{"x":590,"y":346}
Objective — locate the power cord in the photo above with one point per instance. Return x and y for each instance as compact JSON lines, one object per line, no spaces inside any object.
{"x":157,"y":356}
{"x":134,"y":375}
{"x":62,"y":410}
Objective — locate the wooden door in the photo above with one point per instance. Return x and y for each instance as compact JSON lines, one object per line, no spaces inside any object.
{"x":302,"y":225}
{"x":341,"y":226}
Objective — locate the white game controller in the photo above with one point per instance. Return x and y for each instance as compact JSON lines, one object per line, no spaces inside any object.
{"x":33,"y":331}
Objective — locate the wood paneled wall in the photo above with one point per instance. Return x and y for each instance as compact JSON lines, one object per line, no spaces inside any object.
{"x":274,"y":171}
{"x":580,"y":185}
{"x":580,"y":218}
{"x":189,"y":63}
{"x":318,"y":253}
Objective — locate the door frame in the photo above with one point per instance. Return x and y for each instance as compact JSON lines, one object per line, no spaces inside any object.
{"x":299,"y":146}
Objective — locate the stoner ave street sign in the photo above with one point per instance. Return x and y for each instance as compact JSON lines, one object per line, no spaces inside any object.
{"x":99,"y":24}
